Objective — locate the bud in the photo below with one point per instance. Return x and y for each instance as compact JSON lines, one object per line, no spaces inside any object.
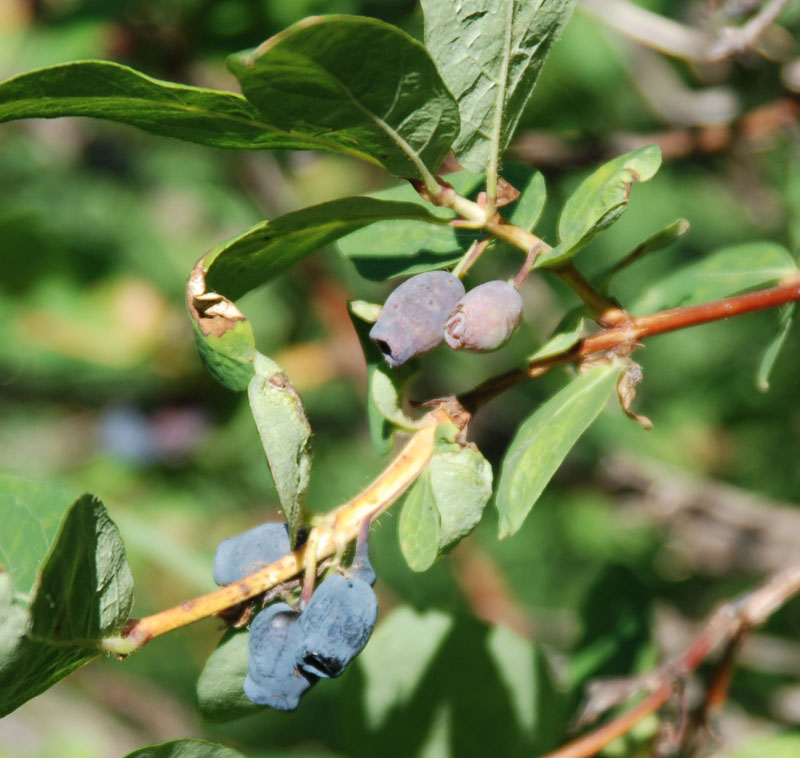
{"x":485,"y":318}
{"x":413,"y":317}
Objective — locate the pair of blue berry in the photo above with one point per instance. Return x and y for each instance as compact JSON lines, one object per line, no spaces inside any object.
{"x":290,"y":651}
{"x":433,"y":306}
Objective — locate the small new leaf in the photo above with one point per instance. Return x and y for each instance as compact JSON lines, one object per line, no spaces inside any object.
{"x":286,"y":436}
{"x":599,"y":201}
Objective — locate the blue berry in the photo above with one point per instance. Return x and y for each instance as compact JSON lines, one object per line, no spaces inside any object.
{"x":272,"y":675}
{"x":413,"y":317}
{"x":239,"y":556}
{"x":336,"y":625}
{"x":485,"y":318}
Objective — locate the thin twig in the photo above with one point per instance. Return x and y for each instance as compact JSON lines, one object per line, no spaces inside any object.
{"x":628,"y":335}
{"x":729,"y":622}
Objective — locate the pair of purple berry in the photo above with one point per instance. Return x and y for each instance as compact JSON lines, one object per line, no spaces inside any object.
{"x":433,"y":306}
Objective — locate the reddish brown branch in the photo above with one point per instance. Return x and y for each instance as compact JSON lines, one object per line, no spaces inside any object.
{"x":629,"y":334}
{"x":725,"y":626}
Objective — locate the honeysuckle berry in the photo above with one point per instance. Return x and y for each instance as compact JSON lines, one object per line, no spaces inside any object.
{"x":414,"y":315}
{"x":236,"y":557}
{"x":336,"y":625}
{"x":273,"y":677}
{"x":485,"y":318}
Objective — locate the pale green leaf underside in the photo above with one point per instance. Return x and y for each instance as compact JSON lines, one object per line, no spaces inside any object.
{"x":490,"y":55}
{"x":599,"y":201}
{"x":444,"y":505}
{"x":720,"y":274}
{"x":565,"y":335}
{"x":544,"y":440}
{"x":356,"y":82}
{"x":285,"y":435}
{"x":101,"y":89}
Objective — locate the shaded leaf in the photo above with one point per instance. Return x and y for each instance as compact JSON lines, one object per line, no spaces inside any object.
{"x":311,"y":79}
{"x":526,"y":210}
{"x":599,"y":201}
{"x":186,"y":748}
{"x":286,"y":436}
{"x":722,"y":273}
{"x":271,"y":247}
{"x":412,"y":691}
{"x":565,"y":335}
{"x":403,"y":247}
{"x":490,"y":55}
{"x":106,"y":90}
{"x":84,"y":593}
{"x":774,"y":346}
{"x":220,"y":688}
{"x":543,"y":441}
{"x":445,"y":503}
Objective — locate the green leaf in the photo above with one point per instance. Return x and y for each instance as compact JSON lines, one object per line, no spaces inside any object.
{"x":658,"y":241}
{"x":186,"y":748}
{"x":286,"y":436}
{"x":385,"y":391}
{"x":565,"y":335}
{"x":228,"y":356}
{"x":419,"y":528}
{"x":403,"y":247}
{"x":445,"y":504}
{"x":32,"y":513}
{"x":722,"y":273}
{"x":271,"y":247}
{"x":106,"y":90}
{"x":412,"y":691}
{"x":782,"y":745}
{"x":543,"y":441}
{"x":490,"y":55}
{"x":356,"y":83}
{"x":526,"y":210}
{"x":83,"y":592}
{"x":599,"y":201}
{"x":774,"y":346}
{"x":220,"y":688}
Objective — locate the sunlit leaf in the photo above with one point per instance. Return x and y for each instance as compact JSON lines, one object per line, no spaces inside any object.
{"x":599,"y":201}
{"x":543,"y":441}
{"x":490,"y":55}
{"x":357,"y":83}
{"x":774,"y":346}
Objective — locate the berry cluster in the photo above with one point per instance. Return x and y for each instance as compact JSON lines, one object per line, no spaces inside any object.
{"x":433,"y":306}
{"x":289,"y":651}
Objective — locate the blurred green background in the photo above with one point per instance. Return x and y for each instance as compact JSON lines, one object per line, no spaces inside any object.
{"x":102,"y":388}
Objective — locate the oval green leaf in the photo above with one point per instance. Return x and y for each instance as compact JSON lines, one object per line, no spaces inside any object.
{"x":220,"y":688}
{"x":599,"y":201}
{"x":286,"y":436}
{"x":543,"y":441}
{"x":357,"y":83}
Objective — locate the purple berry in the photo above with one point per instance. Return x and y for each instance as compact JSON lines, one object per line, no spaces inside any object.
{"x":485,"y":318}
{"x":236,"y":557}
{"x":413,"y":316}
